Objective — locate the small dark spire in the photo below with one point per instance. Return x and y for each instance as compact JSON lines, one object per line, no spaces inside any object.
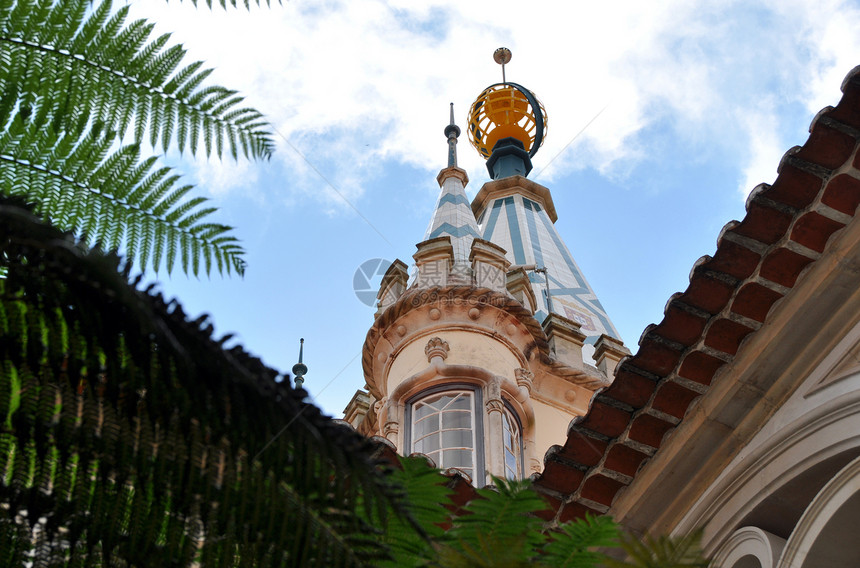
{"x":300,"y":369}
{"x":452,"y":131}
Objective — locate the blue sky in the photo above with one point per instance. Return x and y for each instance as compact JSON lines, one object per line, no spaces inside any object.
{"x":695,"y":103}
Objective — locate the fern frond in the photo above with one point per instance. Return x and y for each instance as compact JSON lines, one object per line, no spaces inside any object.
{"x":98,"y":66}
{"x":574,"y":544}
{"x":662,"y":552}
{"x":100,"y":195}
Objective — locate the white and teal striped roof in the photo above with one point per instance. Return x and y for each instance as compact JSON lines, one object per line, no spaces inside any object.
{"x":453,"y":216}
{"x":519,"y":223}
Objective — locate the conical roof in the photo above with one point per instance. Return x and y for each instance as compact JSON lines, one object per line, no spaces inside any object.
{"x":453,"y":214}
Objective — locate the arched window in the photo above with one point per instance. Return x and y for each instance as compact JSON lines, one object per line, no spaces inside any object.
{"x":512,"y":441}
{"x":443,"y":426}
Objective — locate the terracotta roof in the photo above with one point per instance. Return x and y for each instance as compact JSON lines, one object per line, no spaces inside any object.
{"x":757,"y":262}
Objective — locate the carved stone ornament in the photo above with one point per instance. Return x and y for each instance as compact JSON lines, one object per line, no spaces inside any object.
{"x":391,"y":427}
{"x":524,"y":378}
{"x":436,"y":347}
{"x":495,"y":405}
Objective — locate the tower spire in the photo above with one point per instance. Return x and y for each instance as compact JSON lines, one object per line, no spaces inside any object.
{"x":452,"y":131}
{"x":453,"y":215}
{"x":300,"y":369}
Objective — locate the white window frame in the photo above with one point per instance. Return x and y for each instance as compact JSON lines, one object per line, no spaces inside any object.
{"x":509,"y":417}
{"x":477,"y":414}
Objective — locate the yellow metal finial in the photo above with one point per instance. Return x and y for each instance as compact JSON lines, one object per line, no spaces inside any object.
{"x":502,"y":56}
{"x":506,"y":110}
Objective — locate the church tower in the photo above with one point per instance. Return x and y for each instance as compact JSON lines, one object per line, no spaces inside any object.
{"x":481,"y":360}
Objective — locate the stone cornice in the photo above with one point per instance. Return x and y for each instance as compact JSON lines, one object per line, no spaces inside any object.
{"x":455,"y":172}
{"x":510,"y":186}
{"x":468,"y":295}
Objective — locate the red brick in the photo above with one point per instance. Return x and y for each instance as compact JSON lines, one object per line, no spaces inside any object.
{"x":673,"y":399}
{"x":649,"y":430}
{"x":700,"y":367}
{"x":726,"y":336}
{"x":624,"y":460}
{"x":843,"y":192}
{"x":601,"y":489}
{"x":754,"y":301}
{"x":783,"y":266}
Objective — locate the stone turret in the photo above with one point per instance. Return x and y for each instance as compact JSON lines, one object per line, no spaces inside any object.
{"x":460,"y":364}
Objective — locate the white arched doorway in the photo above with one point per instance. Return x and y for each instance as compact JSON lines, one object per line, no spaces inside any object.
{"x":826,"y":535}
{"x":749,"y":547}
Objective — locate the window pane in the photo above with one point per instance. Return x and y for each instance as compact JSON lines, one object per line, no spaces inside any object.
{"x":511,"y":463}
{"x":457,"y":419}
{"x":457,"y":439}
{"x":441,"y":401}
{"x":443,"y":429}
{"x":463,"y":402}
{"x":457,"y":458}
{"x":512,"y":445}
{"x":435,"y":457}
{"x":428,"y":444}
{"x":426,"y":426}
{"x":422,"y":410}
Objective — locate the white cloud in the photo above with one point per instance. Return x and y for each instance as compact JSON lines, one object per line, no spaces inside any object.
{"x":764,"y":151}
{"x":357,"y":82}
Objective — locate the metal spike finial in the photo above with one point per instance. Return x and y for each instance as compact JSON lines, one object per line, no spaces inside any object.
{"x":501,"y":56}
{"x":452,"y":131}
{"x":300,"y":369}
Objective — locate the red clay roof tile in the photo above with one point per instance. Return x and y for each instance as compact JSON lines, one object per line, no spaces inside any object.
{"x":783,"y":266}
{"x":673,"y":399}
{"x":624,"y":460}
{"x":726,"y":335}
{"x":700,"y":367}
{"x":754,"y":301}
{"x":601,"y":489}
{"x":681,"y":324}
{"x":698,"y":334}
{"x":633,"y":390}
{"x":843,"y":192}
{"x":812,"y":230}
